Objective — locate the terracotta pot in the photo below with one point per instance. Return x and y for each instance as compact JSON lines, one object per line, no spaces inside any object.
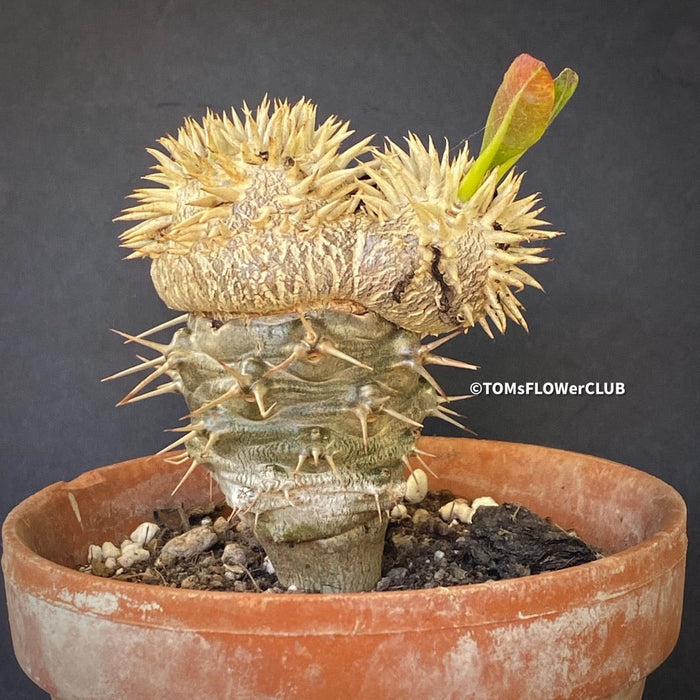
{"x":591,"y":631}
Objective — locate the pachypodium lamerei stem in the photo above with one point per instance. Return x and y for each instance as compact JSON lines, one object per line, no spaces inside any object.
{"x":308,"y":276}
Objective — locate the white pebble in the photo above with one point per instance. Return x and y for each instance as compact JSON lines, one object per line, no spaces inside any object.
{"x":398,"y":512}
{"x":110,"y":563}
{"x":416,"y":486}
{"x":482,"y":502}
{"x":267,"y":565}
{"x":110,"y":550}
{"x":129,"y":546}
{"x":144,"y":533}
{"x":458,"y":509}
{"x":206,"y":520}
{"x":95,"y":553}
{"x":133,"y":556}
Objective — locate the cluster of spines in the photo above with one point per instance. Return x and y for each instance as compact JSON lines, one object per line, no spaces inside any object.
{"x":508,"y":224}
{"x":367,"y":408}
{"x":209,"y":168}
{"x":424,"y":183}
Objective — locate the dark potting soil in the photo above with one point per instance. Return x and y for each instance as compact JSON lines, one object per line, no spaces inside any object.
{"x":421,"y":550}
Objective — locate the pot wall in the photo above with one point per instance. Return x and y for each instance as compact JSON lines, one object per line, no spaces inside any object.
{"x":590,"y":631}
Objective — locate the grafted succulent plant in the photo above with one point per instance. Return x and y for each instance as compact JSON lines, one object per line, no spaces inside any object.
{"x":309,"y":275}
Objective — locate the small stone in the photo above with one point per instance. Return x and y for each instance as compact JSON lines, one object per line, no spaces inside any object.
{"x":458,"y":573}
{"x":133,"y":556}
{"x":110,"y":563}
{"x":188,"y":582}
{"x":234,"y":572}
{"x":416,"y":486}
{"x":383,"y":584}
{"x":398,"y":512}
{"x":397,"y":575}
{"x":190,"y":543}
{"x":110,"y":550}
{"x":206,"y":521}
{"x":421,"y":519}
{"x":439,"y":555}
{"x":144,"y":533}
{"x":481,"y":502}
{"x":458,"y":509}
{"x":221,"y":525}
{"x":125,"y":543}
{"x":234,"y":555}
{"x":129,"y":546}
{"x":267,"y":565}
{"x":95,"y":554}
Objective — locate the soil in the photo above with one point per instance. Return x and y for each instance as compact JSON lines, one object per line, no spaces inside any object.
{"x":421,"y":550}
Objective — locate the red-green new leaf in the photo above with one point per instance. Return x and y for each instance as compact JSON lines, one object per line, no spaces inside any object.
{"x":524,"y":106}
{"x":565,"y":85}
{"x":521,"y":109}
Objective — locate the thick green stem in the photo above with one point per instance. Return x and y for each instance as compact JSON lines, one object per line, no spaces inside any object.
{"x":306,"y":423}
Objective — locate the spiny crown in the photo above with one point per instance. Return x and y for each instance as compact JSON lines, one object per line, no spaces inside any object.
{"x":234,"y":185}
{"x":424,"y":184}
{"x":226,"y":173}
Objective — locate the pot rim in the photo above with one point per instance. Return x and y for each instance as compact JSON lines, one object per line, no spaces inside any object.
{"x":488,"y":603}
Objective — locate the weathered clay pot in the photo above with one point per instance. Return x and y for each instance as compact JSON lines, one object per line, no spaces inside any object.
{"x":592,"y":631}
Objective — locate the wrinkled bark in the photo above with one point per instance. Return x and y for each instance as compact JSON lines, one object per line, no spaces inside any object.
{"x":346,"y":560}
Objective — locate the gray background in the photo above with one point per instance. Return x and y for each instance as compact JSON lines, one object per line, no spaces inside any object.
{"x":86,"y":86}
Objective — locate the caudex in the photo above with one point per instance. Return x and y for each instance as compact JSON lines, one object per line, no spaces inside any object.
{"x":308,"y":276}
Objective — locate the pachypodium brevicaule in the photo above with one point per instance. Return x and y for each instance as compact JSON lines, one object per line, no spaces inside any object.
{"x":309,"y":275}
